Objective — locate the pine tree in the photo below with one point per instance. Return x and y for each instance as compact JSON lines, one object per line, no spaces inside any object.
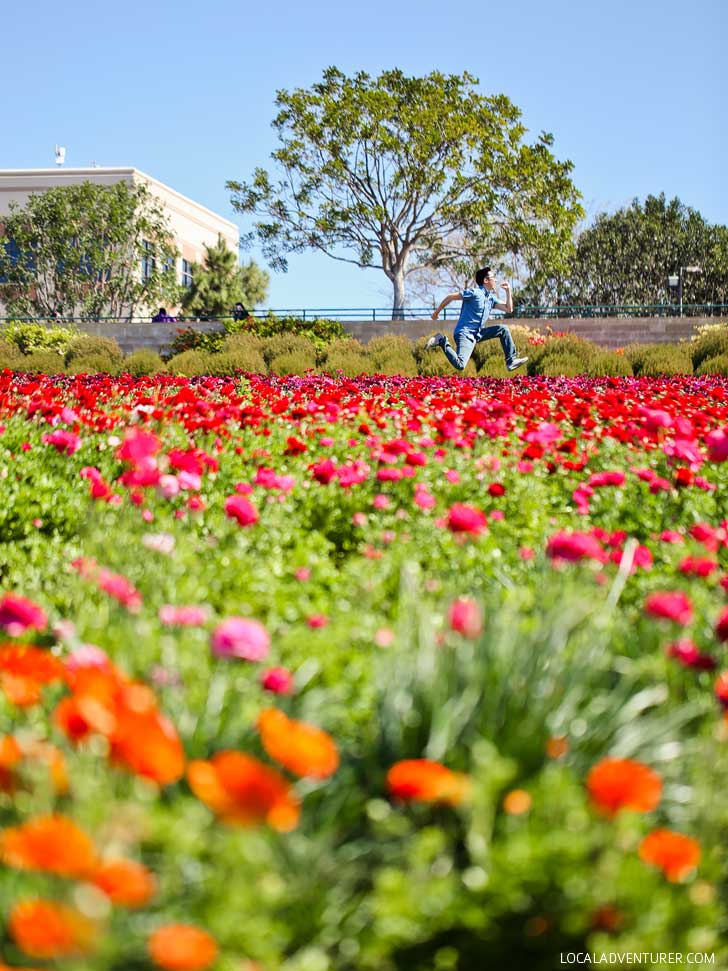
{"x":221,"y":283}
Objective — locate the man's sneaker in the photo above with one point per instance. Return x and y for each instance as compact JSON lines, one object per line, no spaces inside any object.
{"x":516,"y":362}
{"x":435,"y":341}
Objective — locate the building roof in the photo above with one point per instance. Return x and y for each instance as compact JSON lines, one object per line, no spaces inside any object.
{"x":10,"y":176}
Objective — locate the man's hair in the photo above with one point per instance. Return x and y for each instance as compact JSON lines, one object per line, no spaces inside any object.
{"x":481,"y":275}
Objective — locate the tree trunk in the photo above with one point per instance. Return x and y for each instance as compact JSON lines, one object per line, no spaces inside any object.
{"x":399,"y":296}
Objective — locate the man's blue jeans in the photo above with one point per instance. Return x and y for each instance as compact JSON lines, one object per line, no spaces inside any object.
{"x":466,"y":338}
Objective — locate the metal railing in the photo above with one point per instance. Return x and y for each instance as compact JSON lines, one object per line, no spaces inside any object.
{"x":374,"y":314}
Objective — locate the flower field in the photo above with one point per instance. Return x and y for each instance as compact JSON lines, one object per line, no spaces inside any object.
{"x":375,"y":674}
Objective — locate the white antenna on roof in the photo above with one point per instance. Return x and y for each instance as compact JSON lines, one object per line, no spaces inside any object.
{"x":60,"y":154}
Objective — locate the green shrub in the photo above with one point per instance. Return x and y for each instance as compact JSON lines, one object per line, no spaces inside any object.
{"x":665,"y":359}
{"x":97,"y":363}
{"x":144,"y":361}
{"x":9,"y":352}
{"x":228,"y":362}
{"x":347,"y":355}
{"x":485,"y":351}
{"x":41,"y":362}
{"x":283,"y":344}
{"x":190,"y":364}
{"x":712,"y":342}
{"x":714,"y":365}
{"x":243,"y":342}
{"x":493,"y":367}
{"x":193,"y":339}
{"x":391,"y":354}
{"x":89,"y":345}
{"x":608,"y":364}
{"x":293,"y":362}
{"x":321,"y":330}
{"x":30,"y":337}
{"x":562,"y":366}
{"x":635,"y":354}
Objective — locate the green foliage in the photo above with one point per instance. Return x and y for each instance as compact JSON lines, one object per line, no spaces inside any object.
{"x":664,"y":359}
{"x":321,"y":330}
{"x":142,"y":362}
{"x":89,"y":344}
{"x":221,"y":283}
{"x":493,"y":367}
{"x":9,"y":352}
{"x":608,"y":364}
{"x":346,"y":355}
{"x":391,"y":355}
{"x":566,"y":365}
{"x":289,"y":343}
{"x":228,"y":362}
{"x":714,"y":365}
{"x":29,"y":337}
{"x":357,"y":152}
{"x":41,"y":362}
{"x":192,"y":339}
{"x":292,"y":362}
{"x":95,"y":362}
{"x":712,"y":342}
{"x":626,"y":257}
{"x":87,"y":243}
{"x":189,"y":363}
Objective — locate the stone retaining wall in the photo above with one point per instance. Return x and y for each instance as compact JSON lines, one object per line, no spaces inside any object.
{"x":607,"y":331}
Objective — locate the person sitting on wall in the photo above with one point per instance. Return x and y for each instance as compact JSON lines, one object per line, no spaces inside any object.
{"x":239,"y":312}
{"x":162,"y":317}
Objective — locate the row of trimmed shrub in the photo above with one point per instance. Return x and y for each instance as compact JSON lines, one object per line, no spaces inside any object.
{"x":290,"y":353}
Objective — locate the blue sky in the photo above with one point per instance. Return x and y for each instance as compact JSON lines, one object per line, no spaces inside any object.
{"x":634,"y":93}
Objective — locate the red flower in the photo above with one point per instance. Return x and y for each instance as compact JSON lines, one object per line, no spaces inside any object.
{"x":673,"y":606}
{"x":423,"y":780}
{"x":721,"y":627}
{"x":674,"y":853}
{"x":616,"y":784}
{"x":466,"y":617}
{"x":689,"y":656}
{"x":575,"y":546}
{"x":466,"y":519}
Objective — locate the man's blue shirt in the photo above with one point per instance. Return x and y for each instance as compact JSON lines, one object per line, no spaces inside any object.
{"x":477,"y":306}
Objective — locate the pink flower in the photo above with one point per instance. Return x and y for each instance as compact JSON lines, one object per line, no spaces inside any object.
{"x":423,"y":498}
{"x":697,"y":566}
{"x":88,"y":656}
{"x":303,"y":573}
{"x":689,"y":656}
{"x":466,"y":617}
{"x":671,"y":536}
{"x":673,"y":606}
{"x":168,"y":486}
{"x":172,"y":615}
{"x":324,"y":471}
{"x":600,"y":479}
{"x":466,"y":519}
{"x":384,"y":637}
{"x":453,"y":476}
{"x":18,"y":614}
{"x":544,"y":434}
{"x":159,"y":542}
{"x":242,"y":511}
{"x":241,"y":637}
{"x":317,"y":620}
{"x":717,"y":443}
{"x":574,"y":546}
{"x":137,"y":446}
{"x":277,"y":680}
{"x":121,"y":589}
{"x":381,"y":501}
{"x":526,"y":553}
{"x":62,"y":441}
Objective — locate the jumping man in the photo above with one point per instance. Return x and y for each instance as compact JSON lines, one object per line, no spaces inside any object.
{"x":471,"y":326}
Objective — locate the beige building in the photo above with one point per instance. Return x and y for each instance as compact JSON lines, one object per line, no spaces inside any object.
{"x":191,"y":224}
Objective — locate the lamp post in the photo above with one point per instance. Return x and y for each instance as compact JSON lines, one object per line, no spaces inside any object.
{"x":676,"y":280}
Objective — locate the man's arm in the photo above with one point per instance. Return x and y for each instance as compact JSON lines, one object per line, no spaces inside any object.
{"x":448,"y":299}
{"x":508,"y":305}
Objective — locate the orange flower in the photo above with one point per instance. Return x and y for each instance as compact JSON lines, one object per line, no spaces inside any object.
{"x":10,"y":756}
{"x":244,"y":791}
{"x":517,"y":802}
{"x":147,"y":743}
{"x":674,"y":853}
{"x":24,"y":670}
{"x":180,"y":947}
{"x":125,"y":882}
{"x":52,"y":844}
{"x":616,"y":784}
{"x":422,"y":780}
{"x":301,"y":748}
{"x":557,"y":747}
{"x":47,"y":930}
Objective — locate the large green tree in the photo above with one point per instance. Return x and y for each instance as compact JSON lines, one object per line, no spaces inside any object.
{"x":625,"y":257}
{"x":87,"y":251}
{"x":219,"y":283}
{"x":386,"y":172}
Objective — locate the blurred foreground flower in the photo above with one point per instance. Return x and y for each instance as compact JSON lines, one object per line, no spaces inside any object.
{"x":423,"y":780}
{"x":181,"y":947}
{"x":241,"y":637}
{"x":303,"y":749}
{"x":674,"y":853}
{"x":18,"y":614}
{"x":616,"y":784}
{"x":49,"y":844}
{"x":48,"y":930}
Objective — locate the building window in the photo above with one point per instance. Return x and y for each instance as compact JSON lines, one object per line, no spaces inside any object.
{"x":148,"y":261}
{"x":169,"y":265}
{"x":186,"y":273}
